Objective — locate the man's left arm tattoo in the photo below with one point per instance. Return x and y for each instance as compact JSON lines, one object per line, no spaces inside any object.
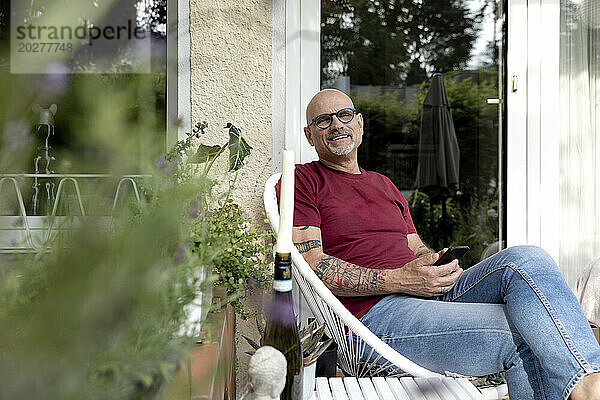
{"x":304,"y":247}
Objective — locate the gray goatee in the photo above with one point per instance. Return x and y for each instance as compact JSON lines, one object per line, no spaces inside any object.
{"x":340,"y":151}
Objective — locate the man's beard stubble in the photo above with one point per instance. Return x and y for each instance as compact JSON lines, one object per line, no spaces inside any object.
{"x":340,"y":151}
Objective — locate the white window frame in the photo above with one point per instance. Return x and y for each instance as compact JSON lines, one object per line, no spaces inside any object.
{"x":179,"y":104}
{"x":533,"y":124}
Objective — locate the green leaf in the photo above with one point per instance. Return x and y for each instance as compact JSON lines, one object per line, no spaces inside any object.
{"x":320,"y":349}
{"x":260,"y":325}
{"x":251,"y":342}
{"x":166,"y":370}
{"x":307,"y":332}
{"x":239,"y":149}
{"x":206,"y":153}
{"x":144,"y":379}
{"x":312,"y":338}
{"x":199,"y":128}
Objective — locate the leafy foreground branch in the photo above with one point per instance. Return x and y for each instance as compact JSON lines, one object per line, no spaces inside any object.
{"x":102,"y":314}
{"x":240,"y":264}
{"x":99,"y":315}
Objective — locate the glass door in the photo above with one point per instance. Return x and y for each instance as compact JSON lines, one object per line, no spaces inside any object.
{"x":385,"y":54}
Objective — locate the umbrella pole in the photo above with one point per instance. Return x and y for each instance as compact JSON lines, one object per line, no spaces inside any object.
{"x":431,"y":226}
{"x":444,"y":225}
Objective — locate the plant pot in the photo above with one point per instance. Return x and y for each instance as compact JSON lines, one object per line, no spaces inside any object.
{"x":327,"y":362}
{"x":198,"y":309}
{"x":308,"y":381}
{"x":206,"y":295}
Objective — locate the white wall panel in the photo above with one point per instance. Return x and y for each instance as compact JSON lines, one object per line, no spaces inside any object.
{"x":534,"y":35}
{"x":549,"y":45}
{"x":296,"y":74}
{"x":310,"y":60}
{"x":533,"y":126}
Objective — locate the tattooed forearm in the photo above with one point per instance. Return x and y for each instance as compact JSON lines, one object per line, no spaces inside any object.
{"x":303,"y":247}
{"x":347,"y":279}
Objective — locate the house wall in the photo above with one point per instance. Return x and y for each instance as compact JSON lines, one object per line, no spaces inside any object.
{"x":231,"y":81}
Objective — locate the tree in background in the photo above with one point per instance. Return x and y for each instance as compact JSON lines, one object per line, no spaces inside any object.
{"x":391,"y":123}
{"x":395,"y":42}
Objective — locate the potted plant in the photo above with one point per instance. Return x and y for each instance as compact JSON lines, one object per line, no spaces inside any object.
{"x":235,"y":246}
{"x":312,"y":348}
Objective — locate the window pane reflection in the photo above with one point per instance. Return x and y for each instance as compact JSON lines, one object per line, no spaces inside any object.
{"x":384,"y":54}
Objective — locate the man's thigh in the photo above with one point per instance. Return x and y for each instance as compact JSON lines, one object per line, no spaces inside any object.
{"x":466,"y":338}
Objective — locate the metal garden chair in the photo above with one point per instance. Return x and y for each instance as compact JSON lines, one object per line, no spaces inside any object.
{"x":355,"y":342}
{"x":352,"y":337}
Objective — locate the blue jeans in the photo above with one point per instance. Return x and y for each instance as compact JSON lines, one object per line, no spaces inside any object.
{"x":511,"y":312}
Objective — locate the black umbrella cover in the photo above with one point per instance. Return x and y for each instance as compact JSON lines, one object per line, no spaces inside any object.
{"x":439,"y":155}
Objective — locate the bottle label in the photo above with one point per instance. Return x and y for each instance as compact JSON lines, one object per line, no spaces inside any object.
{"x":282,"y":286}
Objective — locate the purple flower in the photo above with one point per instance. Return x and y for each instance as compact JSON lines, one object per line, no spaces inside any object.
{"x":176,"y":121}
{"x":194,"y":211}
{"x":162,"y":164}
{"x":54,"y":82}
{"x":179,"y":254}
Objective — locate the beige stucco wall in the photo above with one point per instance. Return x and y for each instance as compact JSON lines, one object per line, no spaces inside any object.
{"x":231,"y":81}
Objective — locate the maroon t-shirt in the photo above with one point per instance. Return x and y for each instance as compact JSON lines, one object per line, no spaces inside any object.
{"x":364,"y":219}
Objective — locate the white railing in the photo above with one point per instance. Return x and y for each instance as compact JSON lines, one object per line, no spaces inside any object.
{"x":30,"y":233}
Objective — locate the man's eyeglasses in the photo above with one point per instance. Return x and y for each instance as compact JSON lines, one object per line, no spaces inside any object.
{"x":324,"y":121}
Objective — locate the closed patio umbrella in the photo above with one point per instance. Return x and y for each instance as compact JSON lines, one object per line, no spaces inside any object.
{"x":439,"y":155}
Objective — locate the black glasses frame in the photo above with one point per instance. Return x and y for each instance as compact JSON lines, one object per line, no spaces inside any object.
{"x":330,"y":115}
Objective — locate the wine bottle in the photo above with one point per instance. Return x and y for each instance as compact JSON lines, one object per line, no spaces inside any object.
{"x":281,"y":331}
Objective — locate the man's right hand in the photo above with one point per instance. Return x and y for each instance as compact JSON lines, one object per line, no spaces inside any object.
{"x":420,"y":278}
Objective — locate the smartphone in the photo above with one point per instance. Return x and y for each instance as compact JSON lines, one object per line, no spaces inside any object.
{"x":453,"y":253}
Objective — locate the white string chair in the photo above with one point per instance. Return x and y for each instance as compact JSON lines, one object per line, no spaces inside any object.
{"x":360,"y":352}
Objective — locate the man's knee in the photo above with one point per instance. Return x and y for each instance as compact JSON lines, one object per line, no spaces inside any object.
{"x":529,"y":258}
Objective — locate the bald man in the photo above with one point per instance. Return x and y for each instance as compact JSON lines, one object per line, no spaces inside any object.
{"x":512,"y":312}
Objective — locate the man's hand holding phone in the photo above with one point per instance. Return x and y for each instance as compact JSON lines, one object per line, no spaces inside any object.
{"x":447,"y":267}
{"x":447,"y":261}
{"x":451,"y":254}
{"x":429,"y":275}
